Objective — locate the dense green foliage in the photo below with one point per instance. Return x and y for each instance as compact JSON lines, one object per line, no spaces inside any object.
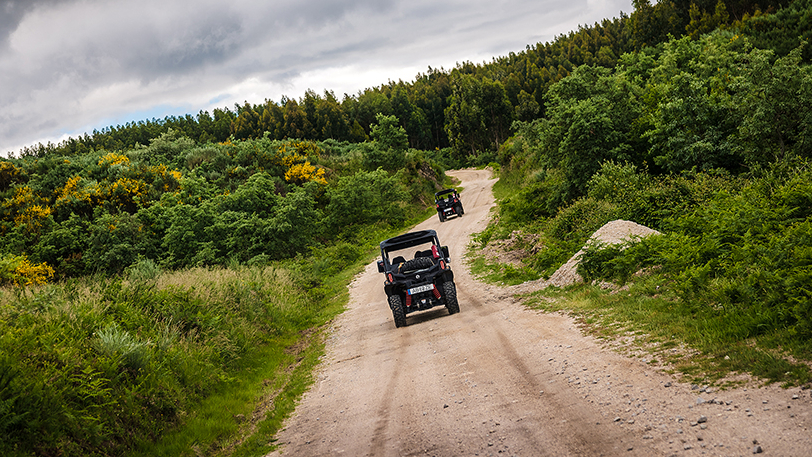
{"x":705,"y":138}
{"x":744,"y":255}
{"x":469,"y":107}
{"x":179,"y":203}
{"x":199,"y":256}
{"x":103,"y":364}
{"x":710,"y":105}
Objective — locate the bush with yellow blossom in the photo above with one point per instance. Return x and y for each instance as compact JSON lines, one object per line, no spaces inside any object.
{"x":18,"y":270}
{"x":301,"y":173}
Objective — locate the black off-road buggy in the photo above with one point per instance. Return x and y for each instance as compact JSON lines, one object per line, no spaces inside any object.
{"x":448,"y":202}
{"x":422,"y":282}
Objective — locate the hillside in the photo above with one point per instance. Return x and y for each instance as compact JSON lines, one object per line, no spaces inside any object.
{"x":159,"y":279}
{"x":140,"y":289}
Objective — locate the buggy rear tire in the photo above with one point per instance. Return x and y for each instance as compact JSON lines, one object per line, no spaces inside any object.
{"x":450,"y":294}
{"x":397,"y":311}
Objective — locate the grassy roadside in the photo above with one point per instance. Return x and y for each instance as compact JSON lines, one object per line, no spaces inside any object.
{"x":720,"y":293}
{"x":241,"y":418}
{"x":669,"y":335}
{"x":102,"y":366}
{"x":647,"y":320}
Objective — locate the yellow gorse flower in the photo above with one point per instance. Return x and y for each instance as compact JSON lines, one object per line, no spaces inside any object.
{"x":167,"y":175}
{"x":76,"y":192}
{"x":23,"y":196}
{"x":304,"y":172}
{"x":19,"y":270}
{"x":34,"y":273}
{"x":33,"y":216}
{"x":8,"y":174}
{"x":27,"y":209}
{"x":290,"y":160}
{"x":70,"y":187}
{"x":112,"y":158}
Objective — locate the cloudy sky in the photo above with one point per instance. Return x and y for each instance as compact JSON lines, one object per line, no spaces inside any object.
{"x":71,"y":66}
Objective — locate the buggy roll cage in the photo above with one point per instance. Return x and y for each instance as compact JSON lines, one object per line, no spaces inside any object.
{"x":406,"y":241}
{"x":441,"y":194}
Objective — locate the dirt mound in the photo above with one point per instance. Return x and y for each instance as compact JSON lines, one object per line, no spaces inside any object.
{"x":611,"y":233}
{"x":614,"y":232}
{"x":511,"y":251}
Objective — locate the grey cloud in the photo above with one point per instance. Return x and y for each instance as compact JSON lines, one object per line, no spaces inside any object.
{"x":12,"y":12}
{"x":65,"y":64}
{"x":206,"y":44}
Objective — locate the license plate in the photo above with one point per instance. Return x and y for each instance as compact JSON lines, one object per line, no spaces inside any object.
{"x":421,"y":289}
{"x":447,"y":210}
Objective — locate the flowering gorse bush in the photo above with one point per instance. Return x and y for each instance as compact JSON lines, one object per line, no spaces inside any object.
{"x":305,"y":172}
{"x":18,"y":270}
{"x":27,"y":209}
{"x":8,"y":174}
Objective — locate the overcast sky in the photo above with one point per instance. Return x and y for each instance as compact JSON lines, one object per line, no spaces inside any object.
{"x":71,"y":66}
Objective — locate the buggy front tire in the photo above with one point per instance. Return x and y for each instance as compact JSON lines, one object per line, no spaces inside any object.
{"x":397,"y":311}
{"x":450,"y":293}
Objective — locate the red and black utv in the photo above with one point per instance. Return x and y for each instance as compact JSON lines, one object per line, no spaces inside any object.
{"x":420,"y":283}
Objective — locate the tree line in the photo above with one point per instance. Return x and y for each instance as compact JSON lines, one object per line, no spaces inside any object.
{"x":470,"y":107}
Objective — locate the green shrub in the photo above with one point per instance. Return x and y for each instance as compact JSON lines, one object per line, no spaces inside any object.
{"x":332,"y":259}
{"x":539,"y":197}
{"x":579,"y":220}
{"x":115,"y":242}
{"x":616,"y":262}
{"x":747,"y":254}
{"x":598,"y":262}
{"x":18,"y":270}
{"x":363,"y":198}
{"x":64,"y":247}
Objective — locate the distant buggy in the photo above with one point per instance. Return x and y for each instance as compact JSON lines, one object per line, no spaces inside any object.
{"x":420,"y":283}
{"x":448,"y":202}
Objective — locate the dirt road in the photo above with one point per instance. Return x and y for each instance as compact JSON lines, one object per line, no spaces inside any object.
{"x":499,"y":379}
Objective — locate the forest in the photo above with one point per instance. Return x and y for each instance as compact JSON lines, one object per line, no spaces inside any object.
{"x":144,"y":265}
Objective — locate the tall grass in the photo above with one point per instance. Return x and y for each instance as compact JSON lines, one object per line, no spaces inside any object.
{"x":97,"y":366}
